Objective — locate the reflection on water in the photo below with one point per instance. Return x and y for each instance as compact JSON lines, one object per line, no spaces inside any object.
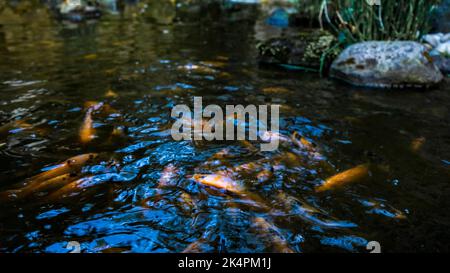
{"x":86,"y":154}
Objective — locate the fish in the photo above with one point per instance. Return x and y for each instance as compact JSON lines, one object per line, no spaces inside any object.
{"x":219,"y":181}
{"x":264,"y":176}
{"x":308,"y":213}
{"x":269,"y":136}
{"x":222,"y":154}
{"x":198,"y":127}
{"x":417,"y":144}
{"x":275,"y":90}
{"x":196,"y":247}
{"x":90,"y":103}
{"x":110,"y":71}
{"x":107,"y":109}
{"x":214,"y":64}
{"x":58,"y":176}
{"x":118,"y":131}
{"x":302,"y":142}
{"x":270,"y":231}
{"x":75,"y":187}
{"x":353,"y":175}
{"x":87,"y":131}
{"x":248,"y":167}
{"x":224,"y":75}
{"x":71,"y":165}
{"x":90,"y":57}
{"x":383,"y":209}
{"x":201,"y":69}
{"x":7,"y":128}
{"x":222,"y":58}
{"x":46,"y":185}
{"x":111,"y":94}
{"x":287,"y":158}
{"x":248,"y":145}
{"x":99,"y":108}
{"x":289,"y":202}
{"x":188,"y":204}
{"x":70,"y":188}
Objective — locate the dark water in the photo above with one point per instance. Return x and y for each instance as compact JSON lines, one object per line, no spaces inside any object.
{"x":50,"y":70}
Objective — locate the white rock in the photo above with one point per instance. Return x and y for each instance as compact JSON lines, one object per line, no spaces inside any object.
{"x":446,"y":38}
{"x":433,"y":39}
{"x":70,"y":5}
{"x":386,"y":64}
{"x":444,"y":48}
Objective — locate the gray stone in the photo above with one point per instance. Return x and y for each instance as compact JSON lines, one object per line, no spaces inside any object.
{"x":386,"y":65}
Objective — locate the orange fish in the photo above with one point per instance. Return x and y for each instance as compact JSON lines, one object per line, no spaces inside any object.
{"x":275,"y":90}
{"x":52,"y":183}
{"x":214,"y":64}
{"x":90,"y":57}
{"x":269,"y":136}
{"x":201,"y":69}
{"x":248,"y":167}
{"x":90,"y":103}
{"x":219,"y":181}
{"x":188,"y":204}
{"x":87,"y":131}
{"x":17,"y":124}
{"x":248,"y":145}
{"x":222,"y":154}
{"x":68,"y":189}
{"x":395,"y":213}
{"x":196,"y":247}
{"x":267,"y":229}
{"x":287,"y":158}
{"x":224,"y":75}
{"x":111,"y":94}
{"x":71,"y":165}
{"x":302,"y":142}
{"x":349,"y":176}
{"x":58,"y":176}
{"x":222,"y":58}
{"x":264,"y":176}
{"x":118,"y":131}
{"x":417,"y":144}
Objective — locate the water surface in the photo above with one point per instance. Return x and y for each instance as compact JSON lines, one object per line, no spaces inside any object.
{"x":49,"y":71}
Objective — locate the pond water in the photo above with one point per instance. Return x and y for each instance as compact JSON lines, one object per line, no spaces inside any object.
{"x":52,"y":73}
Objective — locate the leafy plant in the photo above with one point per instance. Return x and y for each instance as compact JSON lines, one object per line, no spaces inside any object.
{"x":362,"y":20}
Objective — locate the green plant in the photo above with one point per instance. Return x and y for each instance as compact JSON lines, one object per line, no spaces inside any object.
{"x":309,"y":8}
{"x":357,"y":20}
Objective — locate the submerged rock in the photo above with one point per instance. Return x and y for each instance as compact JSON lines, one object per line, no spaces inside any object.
{"x":304,"y":50}
{"x":386,"y":65}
